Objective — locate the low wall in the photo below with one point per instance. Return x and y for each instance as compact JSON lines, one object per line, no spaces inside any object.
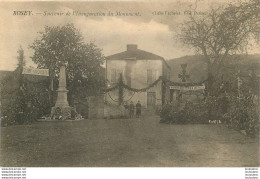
{"x":114,"y":111}
{"x":98,"y":109}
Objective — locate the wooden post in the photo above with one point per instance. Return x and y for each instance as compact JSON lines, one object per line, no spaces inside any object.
{"x":51,"y":86}
{"x":120,"y":90}
{"x":239,"y":83}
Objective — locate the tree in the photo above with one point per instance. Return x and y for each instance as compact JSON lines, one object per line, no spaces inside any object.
{"x":64,"y":45}
{"x":21,"y":64}
{"x":12,"y":93}
{"x":21,"y":57}
{"x":221,"y":34}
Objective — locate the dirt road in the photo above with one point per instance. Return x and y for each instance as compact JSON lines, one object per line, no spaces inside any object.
{"x":125,"y":142}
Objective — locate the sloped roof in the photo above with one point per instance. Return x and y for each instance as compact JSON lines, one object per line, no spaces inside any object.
{"x":135,"y":54}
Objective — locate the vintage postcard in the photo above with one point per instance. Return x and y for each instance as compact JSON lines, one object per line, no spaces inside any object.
{"x":130,"y":84}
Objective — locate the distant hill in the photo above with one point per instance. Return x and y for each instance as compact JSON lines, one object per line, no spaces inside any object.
{"x":197,"y":67}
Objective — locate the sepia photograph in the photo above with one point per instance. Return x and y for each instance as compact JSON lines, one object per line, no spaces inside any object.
{"x":130,"y":84}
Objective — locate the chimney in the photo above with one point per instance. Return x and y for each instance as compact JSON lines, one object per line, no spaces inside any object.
{"x":131,"y":47}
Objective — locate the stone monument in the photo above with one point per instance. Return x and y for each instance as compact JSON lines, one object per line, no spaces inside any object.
{"x":61,"y":110}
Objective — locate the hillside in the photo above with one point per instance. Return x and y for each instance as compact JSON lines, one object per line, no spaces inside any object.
{"x":197,"y":68}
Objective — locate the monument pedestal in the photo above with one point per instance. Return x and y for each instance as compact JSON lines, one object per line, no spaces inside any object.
{"x":61,"y":112}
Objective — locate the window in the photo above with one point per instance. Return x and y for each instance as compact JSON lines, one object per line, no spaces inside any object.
{"x":115,"y":73}
{"x":151,"y":76}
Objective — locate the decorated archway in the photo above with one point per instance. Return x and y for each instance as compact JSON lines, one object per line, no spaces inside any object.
{"x":177,"y":90}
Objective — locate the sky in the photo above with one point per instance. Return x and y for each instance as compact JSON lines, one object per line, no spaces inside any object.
{"x":152,"y":29}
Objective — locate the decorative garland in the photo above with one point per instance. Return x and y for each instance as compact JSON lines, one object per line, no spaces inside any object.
{"x":110,"y":89}
{"x":121,"y":83}
{"x":121,"y":90}
{"x":118,"y":100}
{"x":130,"y":97}
{"x":121,"y":86}
{"x":112,"y":98}
{"x":143,"y":89}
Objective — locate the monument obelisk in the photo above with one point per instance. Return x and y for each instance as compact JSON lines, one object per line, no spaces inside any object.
{"x":61,"y":110}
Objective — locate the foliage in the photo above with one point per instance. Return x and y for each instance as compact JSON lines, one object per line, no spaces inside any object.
{"x":21,"y":57}
{"x":220,"y":34}
{"x":237,"y":113}
{"x":121,"y":82}
{"x":64,"y":45}
{"x":12,"y":110}
{"x":120,"y":90}
{"x":243,"y":113}
{"x":24,"y":97}
{"x":192,"y":113}
{"x":143,"y":89}
{"x":121,"y":86}
{"x":37,"y":95}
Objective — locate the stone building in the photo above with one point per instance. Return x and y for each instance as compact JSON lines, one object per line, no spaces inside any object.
{"x":139,"y":69}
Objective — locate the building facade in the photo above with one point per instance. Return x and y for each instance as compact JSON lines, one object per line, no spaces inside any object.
{"x":139,"y":69}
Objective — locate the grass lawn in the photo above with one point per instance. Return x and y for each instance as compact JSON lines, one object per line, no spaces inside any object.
{"x":125,"y":142}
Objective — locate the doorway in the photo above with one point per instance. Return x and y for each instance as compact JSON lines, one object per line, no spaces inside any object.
{"x":151,"y":97}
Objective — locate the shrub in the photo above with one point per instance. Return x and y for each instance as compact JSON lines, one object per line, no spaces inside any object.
{"x":192,"y":113}
{"x":243,"y":115}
